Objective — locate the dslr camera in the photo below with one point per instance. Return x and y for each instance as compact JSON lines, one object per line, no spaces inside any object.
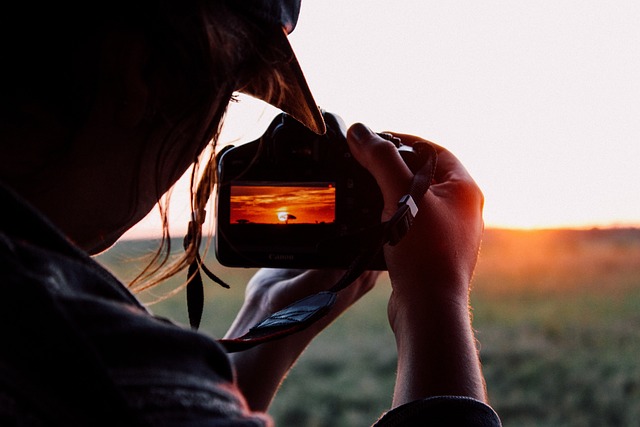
{"x":295,"y":199}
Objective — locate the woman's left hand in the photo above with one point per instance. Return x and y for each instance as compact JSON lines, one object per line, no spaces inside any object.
{"x":272,"y":289}
{"x":260,"y":370}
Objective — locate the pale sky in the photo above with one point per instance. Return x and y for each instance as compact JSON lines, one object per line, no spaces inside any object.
{"x":539,"y":99}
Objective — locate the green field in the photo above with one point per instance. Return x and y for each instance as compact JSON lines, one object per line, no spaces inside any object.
{"x":557,"y":314}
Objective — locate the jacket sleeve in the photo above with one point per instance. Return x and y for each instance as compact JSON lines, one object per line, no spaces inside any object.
{"x":450,"y":411}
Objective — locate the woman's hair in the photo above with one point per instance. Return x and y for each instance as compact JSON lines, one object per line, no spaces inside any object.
{"x":217,"y":55}
{"x":202,"y":50}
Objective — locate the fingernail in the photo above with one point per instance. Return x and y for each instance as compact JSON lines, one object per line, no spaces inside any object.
{"x":360,"y":132}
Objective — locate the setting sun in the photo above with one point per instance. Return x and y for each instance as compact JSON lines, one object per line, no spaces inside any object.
{"x":282,"y":216}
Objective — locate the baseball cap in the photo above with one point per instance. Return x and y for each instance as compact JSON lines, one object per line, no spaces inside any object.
{"x":294,"y":96}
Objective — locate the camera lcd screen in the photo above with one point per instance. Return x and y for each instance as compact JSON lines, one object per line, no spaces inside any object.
{"x":274,"y":203}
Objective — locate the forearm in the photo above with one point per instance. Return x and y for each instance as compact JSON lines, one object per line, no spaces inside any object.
{"x":437,"y":352}
{"x":260,"y":370}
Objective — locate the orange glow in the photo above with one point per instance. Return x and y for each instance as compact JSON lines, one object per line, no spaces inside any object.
{"x":261,"y":204}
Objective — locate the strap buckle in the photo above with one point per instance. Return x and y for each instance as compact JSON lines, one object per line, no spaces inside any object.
{"x":402,"y":220}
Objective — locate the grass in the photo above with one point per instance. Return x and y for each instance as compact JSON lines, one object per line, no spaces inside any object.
{"x":557,"y":315}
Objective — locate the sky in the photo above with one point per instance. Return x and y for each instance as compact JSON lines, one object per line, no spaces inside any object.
{"x":539,"y":99}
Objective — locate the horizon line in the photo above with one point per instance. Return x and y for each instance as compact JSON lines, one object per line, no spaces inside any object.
{"x":150,"y":235}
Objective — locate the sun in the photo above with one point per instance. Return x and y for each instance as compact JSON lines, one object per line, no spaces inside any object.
{"x":283,"y":216}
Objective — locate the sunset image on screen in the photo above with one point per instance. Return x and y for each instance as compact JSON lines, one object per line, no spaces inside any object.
{"x":270,"y":204}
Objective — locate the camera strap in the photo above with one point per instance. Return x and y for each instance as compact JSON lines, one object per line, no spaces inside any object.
{"x":308,"y":310}
{"x":195,"y":287}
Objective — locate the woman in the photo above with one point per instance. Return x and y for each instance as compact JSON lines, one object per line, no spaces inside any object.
{"x":103,"y":109}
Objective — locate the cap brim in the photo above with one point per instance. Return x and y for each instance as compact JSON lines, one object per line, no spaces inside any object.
{"x":282,"y":84}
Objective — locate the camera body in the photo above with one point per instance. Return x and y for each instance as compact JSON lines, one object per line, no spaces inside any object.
{"x":295,"y":199}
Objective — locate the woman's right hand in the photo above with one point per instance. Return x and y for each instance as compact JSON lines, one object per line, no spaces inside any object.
{"x":430,"y":270}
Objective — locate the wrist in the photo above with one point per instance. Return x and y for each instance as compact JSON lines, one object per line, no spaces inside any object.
{"x":437,"y":352}
{"x":412,"y":316}
{"x":415,"y":301}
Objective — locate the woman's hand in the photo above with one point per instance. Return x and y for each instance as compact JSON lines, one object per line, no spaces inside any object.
{"x":260,"y":370}
{"x":272,"y":289}
{"x":430,"y":270}
{"x":442,"y":245}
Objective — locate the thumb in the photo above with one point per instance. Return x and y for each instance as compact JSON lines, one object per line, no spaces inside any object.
{"x":382,"y":159}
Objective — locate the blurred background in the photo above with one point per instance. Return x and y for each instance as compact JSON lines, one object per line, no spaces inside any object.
{"x":540,"y":100}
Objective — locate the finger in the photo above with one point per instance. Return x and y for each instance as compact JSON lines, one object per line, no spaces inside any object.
{"x":268,"y":276}
{"x":382,"y":159}
{"x":310,"y":282}
{"x":448,"y":167}
{"x":408,"y":139}
{"x":314,"y":281}
{"x":360,"y":286}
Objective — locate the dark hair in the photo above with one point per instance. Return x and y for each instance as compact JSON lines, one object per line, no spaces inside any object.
{"x":202,"y":48}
